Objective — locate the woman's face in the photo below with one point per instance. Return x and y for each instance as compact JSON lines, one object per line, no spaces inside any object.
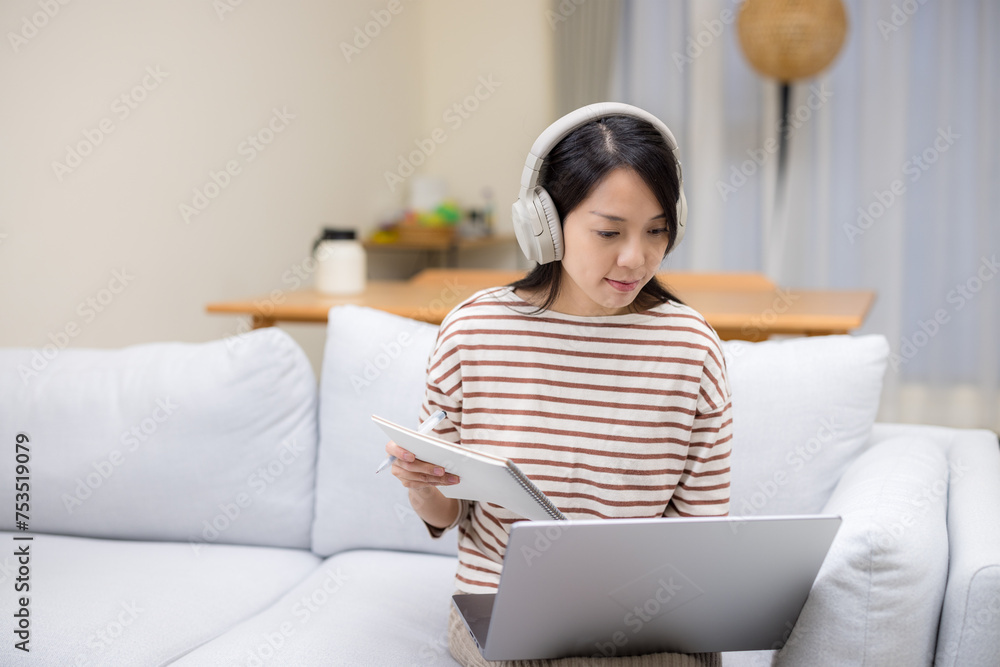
{"x":614,"y":243}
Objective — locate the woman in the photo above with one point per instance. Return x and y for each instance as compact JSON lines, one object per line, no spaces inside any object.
{"x":605,"y":389}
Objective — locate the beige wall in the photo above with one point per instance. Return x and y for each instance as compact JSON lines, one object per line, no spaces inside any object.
{"x":218,"y":79}
{"x":500,"y":52}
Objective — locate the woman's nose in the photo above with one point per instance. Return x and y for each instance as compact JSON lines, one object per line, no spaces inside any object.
{"x":631,"y":255}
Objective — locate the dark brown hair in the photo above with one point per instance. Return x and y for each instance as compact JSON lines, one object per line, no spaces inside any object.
{"x":580,"y":161}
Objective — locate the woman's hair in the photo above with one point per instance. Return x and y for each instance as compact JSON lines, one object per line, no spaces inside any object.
{"x":580,"y":161}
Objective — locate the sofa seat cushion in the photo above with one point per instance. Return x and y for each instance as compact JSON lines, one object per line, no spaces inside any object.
{"x":361,"y":607}
{"x":370,"y":608}
{"x":748,"y":658}
{"x":110,"y":602}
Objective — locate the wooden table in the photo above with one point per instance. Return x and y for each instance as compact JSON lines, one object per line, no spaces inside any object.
{"x":744,"y":306}
{"x":483,"y":278}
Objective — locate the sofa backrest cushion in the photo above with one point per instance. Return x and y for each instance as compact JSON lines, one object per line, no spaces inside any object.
{"x":374,"y":363}
{"x":200,"y":442}
{"x":803,"y":408}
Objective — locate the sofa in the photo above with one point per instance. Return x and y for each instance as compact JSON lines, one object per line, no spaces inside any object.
{"x":199,"y":504}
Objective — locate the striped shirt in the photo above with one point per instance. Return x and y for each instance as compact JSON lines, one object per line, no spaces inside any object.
{"x":616,"y":416}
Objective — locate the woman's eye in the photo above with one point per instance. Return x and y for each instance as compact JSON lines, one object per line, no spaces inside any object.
{"x":611,"y":235}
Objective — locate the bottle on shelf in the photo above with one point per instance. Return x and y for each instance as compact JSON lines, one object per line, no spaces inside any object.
{"x":341,"y":263}
{"x":472,"y":227}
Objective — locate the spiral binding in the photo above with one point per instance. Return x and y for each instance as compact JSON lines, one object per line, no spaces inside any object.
{"x":534,"y":491}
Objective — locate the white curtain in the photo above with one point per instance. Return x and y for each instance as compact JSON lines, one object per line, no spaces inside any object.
{"x":893,"y":180}
{"x":585,"y":41}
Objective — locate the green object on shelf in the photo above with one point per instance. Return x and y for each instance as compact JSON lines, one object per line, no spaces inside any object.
{"x":449,"y":212}
{"x":446,"y":214}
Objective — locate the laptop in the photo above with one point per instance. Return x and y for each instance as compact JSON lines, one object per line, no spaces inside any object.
{"x":615,"y":587}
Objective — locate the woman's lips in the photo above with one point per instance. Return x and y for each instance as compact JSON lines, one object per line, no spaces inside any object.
{"x":623,"y":287}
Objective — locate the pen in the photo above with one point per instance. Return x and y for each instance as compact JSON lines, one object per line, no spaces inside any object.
{"x":426,"y":427}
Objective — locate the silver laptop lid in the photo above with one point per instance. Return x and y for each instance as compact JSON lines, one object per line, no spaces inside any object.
{"x":627,"y":586}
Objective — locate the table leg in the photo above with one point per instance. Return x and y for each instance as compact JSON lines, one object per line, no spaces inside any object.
{"x":260,"y":321}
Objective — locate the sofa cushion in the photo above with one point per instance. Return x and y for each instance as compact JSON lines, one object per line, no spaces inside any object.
{"x":374,"y":363}
{"x":112,"y":602}
{"x":747,"y":658}
{"x":208,"y":442}
{"x":359,"y":608}
{"x":877,"y":597}
{"x":803,"y":408}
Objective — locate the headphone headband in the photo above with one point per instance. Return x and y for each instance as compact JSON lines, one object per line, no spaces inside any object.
{"x":555,"y":132}
{"x":536,"y":221}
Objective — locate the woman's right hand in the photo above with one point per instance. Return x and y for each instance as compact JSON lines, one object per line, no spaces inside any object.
{"x":416,"y":474}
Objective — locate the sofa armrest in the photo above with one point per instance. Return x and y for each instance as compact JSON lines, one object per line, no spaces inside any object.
{"x":970,"y":618}
{"x":969,"y":632}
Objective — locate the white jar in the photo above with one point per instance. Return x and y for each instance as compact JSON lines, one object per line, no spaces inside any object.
{"x":341,"y":264}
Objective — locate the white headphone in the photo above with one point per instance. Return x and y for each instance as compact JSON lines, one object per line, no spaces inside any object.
{"x":536,"y":222}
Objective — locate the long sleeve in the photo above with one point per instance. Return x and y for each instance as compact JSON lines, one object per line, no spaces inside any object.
{"x":703,"y":488}
{"x":443,"y":391}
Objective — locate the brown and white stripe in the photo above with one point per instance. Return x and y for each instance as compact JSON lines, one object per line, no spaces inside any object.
{"x":612,"y":417}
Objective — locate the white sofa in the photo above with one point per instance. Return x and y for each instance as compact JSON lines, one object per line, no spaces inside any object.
{"x":205,"y":504}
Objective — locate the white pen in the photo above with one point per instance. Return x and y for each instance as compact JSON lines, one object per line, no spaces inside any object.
{"x":426,"y":427}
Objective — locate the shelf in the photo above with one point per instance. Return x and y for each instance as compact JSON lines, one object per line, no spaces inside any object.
{"x":442,"y":244}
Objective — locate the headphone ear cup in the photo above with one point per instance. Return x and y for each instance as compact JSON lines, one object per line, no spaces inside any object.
{"x":521,"y":214}
{"x":551,"y":241}
{"x":682,"y":213}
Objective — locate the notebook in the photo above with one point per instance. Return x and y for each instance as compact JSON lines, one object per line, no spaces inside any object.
{"x":483,"y":477}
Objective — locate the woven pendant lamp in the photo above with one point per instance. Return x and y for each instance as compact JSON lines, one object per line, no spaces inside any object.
{"x":789,"y":40}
